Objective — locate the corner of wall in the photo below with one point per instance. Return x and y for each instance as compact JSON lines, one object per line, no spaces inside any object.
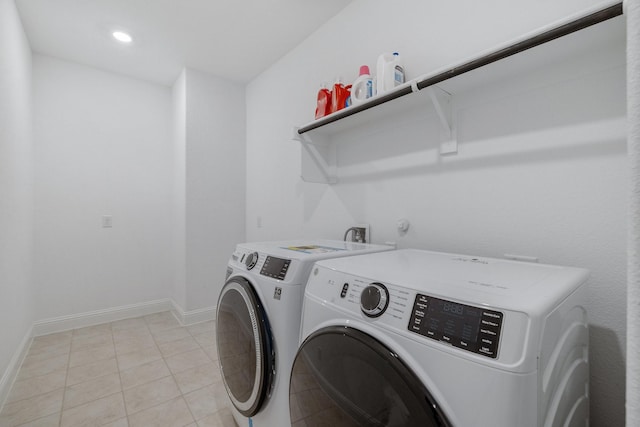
{"x":187,"y":318}
{"x":17,"y":305}
{"x":10,"y":374}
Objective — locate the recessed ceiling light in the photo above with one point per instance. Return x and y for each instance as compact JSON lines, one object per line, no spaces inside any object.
{"x":122,"y":37}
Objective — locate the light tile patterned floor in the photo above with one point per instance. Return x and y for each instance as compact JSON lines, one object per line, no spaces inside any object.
{"x":148,"y":371}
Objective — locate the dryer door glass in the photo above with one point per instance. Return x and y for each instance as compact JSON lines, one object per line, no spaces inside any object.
{"x":245,"y":347}
{"x":345,"y":378}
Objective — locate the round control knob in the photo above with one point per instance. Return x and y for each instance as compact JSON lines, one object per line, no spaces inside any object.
{"x":251,"y":260}
{"x":374,"y":300}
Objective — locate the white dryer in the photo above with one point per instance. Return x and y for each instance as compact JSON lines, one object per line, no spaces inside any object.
{"x":417,"y":338}
{"x":258,"y":322}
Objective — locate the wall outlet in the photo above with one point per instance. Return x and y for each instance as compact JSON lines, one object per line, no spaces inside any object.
{"x":360,"y":233}
{"x":367,"y":232}
{"x":107,"y":221}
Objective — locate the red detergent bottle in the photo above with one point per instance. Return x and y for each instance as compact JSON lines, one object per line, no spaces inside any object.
{"x":323,"y":107}
{"x":339,"y":96}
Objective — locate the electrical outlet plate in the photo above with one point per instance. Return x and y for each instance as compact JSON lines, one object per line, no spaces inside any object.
{"x":367,"y":231}
{"x":107,"y":221}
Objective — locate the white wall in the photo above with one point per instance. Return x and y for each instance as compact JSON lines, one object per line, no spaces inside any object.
{"x":168,"y":164}
{"x":541,"y":168}
{"x":103,"y":147}
{"x":214,"y":182}
{"x":16,"y":188}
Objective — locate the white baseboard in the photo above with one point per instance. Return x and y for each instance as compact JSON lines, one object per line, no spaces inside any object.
{"x":81,"y":320}
{"x":10,"y":374}
{"x":187,"y":318}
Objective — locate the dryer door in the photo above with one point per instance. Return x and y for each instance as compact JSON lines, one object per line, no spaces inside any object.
{"x":245,"y":346}
{"x":344,"y":377}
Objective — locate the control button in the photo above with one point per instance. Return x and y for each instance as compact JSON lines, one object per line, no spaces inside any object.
{"x":490,"y":323}
{"x":491,"y":315}
{"x":486,"y":341}
{"x":374,"y":300}
{"x":345,"y":288}
{"x":487,"y":351}
{"x":251,"y":260}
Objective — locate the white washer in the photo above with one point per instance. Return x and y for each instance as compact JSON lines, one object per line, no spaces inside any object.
{"x":258,"y":322}
{"x":417,"y":338}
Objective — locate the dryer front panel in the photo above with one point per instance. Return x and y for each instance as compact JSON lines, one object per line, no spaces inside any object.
{"x":354,"y":380}
{"x":245,"y":346}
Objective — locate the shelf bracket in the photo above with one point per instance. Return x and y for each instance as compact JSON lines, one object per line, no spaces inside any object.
{"x":443,"y":104}
{"x":318,"y":158}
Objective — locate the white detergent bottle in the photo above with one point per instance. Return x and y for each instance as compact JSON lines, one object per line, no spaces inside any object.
{"x":362,"y":87}
{"x":398,"y":70}
{"x":390,"y":72}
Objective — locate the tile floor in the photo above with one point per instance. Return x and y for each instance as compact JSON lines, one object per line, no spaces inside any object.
{"x":148,"y":371}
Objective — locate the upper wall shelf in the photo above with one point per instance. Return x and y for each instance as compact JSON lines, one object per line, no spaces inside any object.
{"x":319,"y":157}
{"x":545,"y":36}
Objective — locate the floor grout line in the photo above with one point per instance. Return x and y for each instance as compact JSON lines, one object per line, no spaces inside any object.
{"x":66,"y":377}
{"x":115,"y":353}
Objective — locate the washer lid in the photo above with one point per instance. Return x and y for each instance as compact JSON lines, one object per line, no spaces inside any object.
{"x":311,"y":249}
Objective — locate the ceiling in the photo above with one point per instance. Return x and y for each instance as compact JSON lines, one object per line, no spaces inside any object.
{"x":233,"y":39}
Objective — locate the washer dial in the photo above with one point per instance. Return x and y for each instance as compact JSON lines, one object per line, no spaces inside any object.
{"x":251,"y":260}
{"x":374,"y":300}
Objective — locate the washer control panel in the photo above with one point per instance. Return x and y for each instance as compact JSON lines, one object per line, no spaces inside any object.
{"x":374,"y":300}
{"x":464,"y":326}
{"x":471,"y":328}
{"x":275,"y":268}
{"x":452,"y":316}
{"x":269,"y":266}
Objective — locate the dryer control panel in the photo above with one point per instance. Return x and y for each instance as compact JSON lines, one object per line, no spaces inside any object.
{"x":464,"y":326}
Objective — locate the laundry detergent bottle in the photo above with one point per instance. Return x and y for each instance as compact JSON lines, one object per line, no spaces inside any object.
{"x":390,"y":72}
{"x":339,"y":96}
{"x":362,"y":87}
{"x":323,"y":107}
